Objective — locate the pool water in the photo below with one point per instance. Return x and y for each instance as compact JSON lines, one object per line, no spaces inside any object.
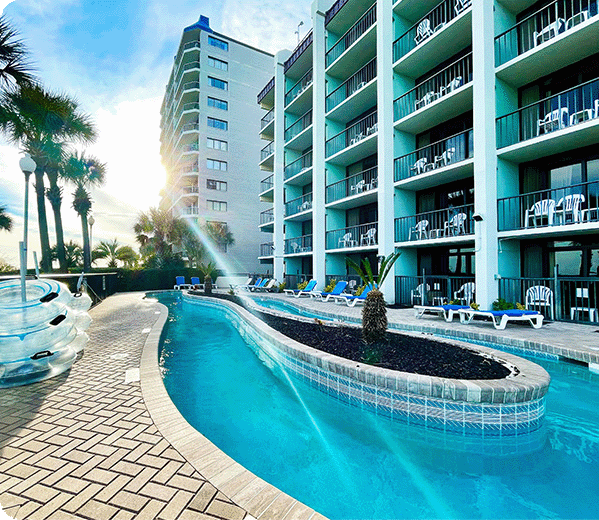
{"x":348,"y":463}
{"x":278,"y":305}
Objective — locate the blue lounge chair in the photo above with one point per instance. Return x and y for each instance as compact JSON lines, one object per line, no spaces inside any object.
{"x":301,"y":292}
{"x":195,"y":283}
{"x":447,"y":311}
{"x":180,"y":283}
{"x":267,"y":286}
{"x":500,"y":318}
{"x":260,"y":285}
{"x":352,"y":300}
{"x":326,"y":296}
{"x":249,"y":286}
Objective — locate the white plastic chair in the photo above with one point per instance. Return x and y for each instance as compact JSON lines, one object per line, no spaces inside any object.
{"x":570,"y":206}
{"x":554,"y":120}
{"x":423,"y":31}
{"x":418,"y":293}
{"x":540,"y":209}
{"x":456,"y":225}
{"x":539,"y":296}
{"x":368,"y":238}
{"x":420,"y":229}
{"x":461,"y":5}
{"x":359,"y":187}
{"x":465,"y":293}
{"x":347,"y":240}
{"x":582,"y":298}
{"x":445,"y":158}
{"x":420,"y":166}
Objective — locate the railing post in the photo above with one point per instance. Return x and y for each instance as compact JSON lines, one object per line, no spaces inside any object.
{"x":558,"y":293}
{"x":424,"y":291}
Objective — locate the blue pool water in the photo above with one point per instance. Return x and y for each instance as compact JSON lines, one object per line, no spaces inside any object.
{"x":278,"y":305}
{"x":346,"y":463}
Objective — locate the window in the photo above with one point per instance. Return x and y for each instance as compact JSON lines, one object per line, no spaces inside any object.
{"x":216,"y":205}
{"x":218,"y":83}
{"x":217,"y":144}
{"x":212,"y":184}
{"x":218,"y":123}
{"x":218,"y":64}
{"x":218,"y":103}
{"x":213,"y":164}
{"x":218,"y":43}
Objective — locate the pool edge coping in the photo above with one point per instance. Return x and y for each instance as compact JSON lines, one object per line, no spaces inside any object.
{"x":257,"y":497}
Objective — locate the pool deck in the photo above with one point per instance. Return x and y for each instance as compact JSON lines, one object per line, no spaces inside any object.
{"x":98,"y":443}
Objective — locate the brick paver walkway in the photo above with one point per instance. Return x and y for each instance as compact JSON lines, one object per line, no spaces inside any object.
{"x":83,"y":445}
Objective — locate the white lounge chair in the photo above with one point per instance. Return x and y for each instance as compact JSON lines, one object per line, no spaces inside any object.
{"x":501,"y":318}
{"x":447,"y":311}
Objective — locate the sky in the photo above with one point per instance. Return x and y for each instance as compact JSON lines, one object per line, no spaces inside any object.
{"x":115,"y":57}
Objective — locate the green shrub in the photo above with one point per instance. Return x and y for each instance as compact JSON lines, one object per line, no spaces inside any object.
{"x":282,"y":287}
{"x":302,"y":286}
{"x":331,"y":286}
{"x":501,"y":305}
{"x":360,"y":290}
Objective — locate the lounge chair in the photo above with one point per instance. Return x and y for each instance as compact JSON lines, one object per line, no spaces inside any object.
{"x":447,"y":311}
{"x":267,"y":286}
{"x":260,"y":285}
{"x":180,"y":283}
{"x":302,"y":292}
{"x":236,"y":286}
{"x":326,"y":296}
{"x":352,"y":300}
{"x":249,"y":286}
{"x":500,"y":318}
{"x":195,"y":283}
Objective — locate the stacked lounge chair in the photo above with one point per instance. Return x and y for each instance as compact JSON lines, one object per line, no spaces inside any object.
{"x":324,"y":296}
{"x":302,"y":292}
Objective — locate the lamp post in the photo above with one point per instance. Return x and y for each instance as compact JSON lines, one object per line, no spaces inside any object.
{"x":91,"y":221}
{"x":298,"y":32}
{"x":27,"y":165}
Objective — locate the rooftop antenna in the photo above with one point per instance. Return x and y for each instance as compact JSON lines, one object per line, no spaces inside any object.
{"x":298,"y":31}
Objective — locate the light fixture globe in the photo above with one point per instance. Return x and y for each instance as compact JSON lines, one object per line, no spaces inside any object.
{"x":27,"y":164}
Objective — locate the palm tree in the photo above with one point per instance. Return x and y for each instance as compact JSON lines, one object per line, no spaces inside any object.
{"x":110,"y":250}
{"x":84,"y":171}
{"x":15,"y":68}
{"x":73,"y":254}
{"x":128,"y":256}
{"x":220,"y":234}
{"x":5,"y":220}
{"x":159,"y":234}
{"x":374,"y":313}
{"x":41,"y":121}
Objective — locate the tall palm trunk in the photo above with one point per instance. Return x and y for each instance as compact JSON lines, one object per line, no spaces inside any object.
{"x":54,"y":195}
{"x":42,"y":219}
{"x":87,"y":264}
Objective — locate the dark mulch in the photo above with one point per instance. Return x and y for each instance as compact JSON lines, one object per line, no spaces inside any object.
{"x":416,"y":355}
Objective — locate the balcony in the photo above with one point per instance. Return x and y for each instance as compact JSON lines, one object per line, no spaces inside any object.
{"x":190,"y":190}
{"x":266,"y":96}
{"x":446,"y":225}
{"x":266,"y":125}
{"x":298,"y":245}
{"x":441,"y":33}
{"x":440,"y":98}
{"x":267,"y":157}
{"x":297,"y":128}
{"x":267,"y":184}
{"x":302,"y":85}
{"x":354,"y":142}
{"x":267,"y":219}
{"x":556,"y":35}
{"x":359,"y":84}
{"x":190,"y":210}
{"x":363,"y":236}
{"x":361,"y":184}
{"x":298,"y":53}
{"x":300,"y":170}
{"x":572,"y":208}
{"x":444,"y":161}
{"x":299,"y":206}
{"x":556,"y":124}
{"x":266,"y":250}
{"x":359,"y":38}
{"x":441,"y":289}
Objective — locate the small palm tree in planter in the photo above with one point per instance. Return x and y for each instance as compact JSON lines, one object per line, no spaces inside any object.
{"x":207,"y":270}
{"x":374,"y":313}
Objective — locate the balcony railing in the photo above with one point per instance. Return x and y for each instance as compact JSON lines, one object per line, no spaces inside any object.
{"x":335,"y":8}
{"x":304,"y":82}
{"x":294,"y":206}
{"x":365,"y":75}
{"x":568,"y":298}
{"x":299,"y":126}
{"x":437,"y":155}
{"x":192,"y":147}
{"x":189,"y":189}
{"x":270,"y":115}
{"x":190,"y":106}
{"x":352,"y":34}
{"x":267,"y":184}
{"x":428,"y":290}
{"x":555,"y":207}
{"x":267,"y":216}
{"x":354,"y":236}
{"x":449,"y":79}
{"x":190,"y":127}
{"x":298,"y":51}
{"x":266,"y":249}
{"x":302,"y":163}
{"x":190,"y":85}
{"x":444,"y":223}
{"x":541,"y":26}
{"x":567,"y":109}
{"x":353,"y":134}
{"x":190,"y":168}
{"x":301,"y":244}
{"x":267,"y":88}
{"x":190,"y":210}
{"x":268,"y":150}
{"x":426,"y":27}
{"x":359,"y":183}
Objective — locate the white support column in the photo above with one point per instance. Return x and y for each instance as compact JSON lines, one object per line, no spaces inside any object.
{"x":279,"y":163}
{"x":318,"y":139}
{"x":384,"y":66}
{"x":485,"y":154}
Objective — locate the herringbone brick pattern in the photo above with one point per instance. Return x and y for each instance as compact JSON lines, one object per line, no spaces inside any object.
{"x":83,"y":445}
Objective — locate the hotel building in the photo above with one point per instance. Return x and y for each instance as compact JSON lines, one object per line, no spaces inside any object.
{"x":461,"y":133}
{"x":209,"y":139}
